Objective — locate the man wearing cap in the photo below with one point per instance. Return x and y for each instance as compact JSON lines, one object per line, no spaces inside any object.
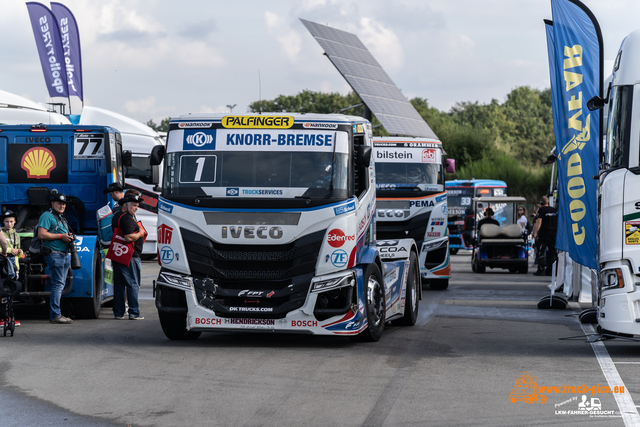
{"x":54,"y":231}
{"x":116,"y":191}
{"x":126,"y":279}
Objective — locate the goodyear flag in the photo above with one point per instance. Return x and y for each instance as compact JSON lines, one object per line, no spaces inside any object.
{"x":553,"y":74}
{"x":47,"y":34}
{"x":577,"y":45}
{"x":70,"y":38}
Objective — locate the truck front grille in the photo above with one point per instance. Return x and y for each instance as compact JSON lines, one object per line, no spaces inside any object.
{"x":413,"y":228}
{"x":251,"y":262}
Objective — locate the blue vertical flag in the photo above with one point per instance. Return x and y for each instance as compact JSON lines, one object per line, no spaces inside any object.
{"x":70,"y":37}
{"x":47,"y":34}
{"x":553,"y":74}
{"x":577,"y":43}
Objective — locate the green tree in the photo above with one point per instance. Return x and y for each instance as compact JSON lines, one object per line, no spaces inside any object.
{"x":162,"y":127}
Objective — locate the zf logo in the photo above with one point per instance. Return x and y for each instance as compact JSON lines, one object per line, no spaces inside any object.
{"x":233,"y":191}
{"x":339,"y":258}
{"x":166,"y":255}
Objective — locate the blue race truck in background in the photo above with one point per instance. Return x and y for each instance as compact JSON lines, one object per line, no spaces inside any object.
{"x":79,"y":161}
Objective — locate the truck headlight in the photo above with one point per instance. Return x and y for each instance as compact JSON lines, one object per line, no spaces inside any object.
{"x":611,"y":279}
{"x":335,"y":282}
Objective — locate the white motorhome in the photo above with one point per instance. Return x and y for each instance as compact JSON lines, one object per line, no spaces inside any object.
{"x":618,"y":300}
{"x":17,"y":110}
{"x":140,"y":140}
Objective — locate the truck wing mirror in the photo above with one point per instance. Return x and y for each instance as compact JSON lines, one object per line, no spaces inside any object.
{"x":363,"y":154}
{"x":451,"y":166}
{"x":157,"y":154}
{"x":127,"y":158}
{"x":155,"y":174}
{"x":596,"y":103}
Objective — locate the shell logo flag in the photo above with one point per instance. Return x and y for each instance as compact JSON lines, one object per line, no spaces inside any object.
{"x":38,"y":162}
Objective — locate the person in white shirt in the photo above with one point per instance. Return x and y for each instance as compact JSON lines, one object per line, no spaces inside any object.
{"x":522,"y":218}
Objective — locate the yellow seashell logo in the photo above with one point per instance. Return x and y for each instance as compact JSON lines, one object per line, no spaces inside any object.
{"x":38,"y":162}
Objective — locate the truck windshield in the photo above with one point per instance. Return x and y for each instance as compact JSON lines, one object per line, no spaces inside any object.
{"x":406,"y":166}
{"x":408,"y":176}
{"x":274,"y":171}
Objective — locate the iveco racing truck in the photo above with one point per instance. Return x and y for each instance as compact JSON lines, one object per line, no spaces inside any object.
{"x":268,"y":222}
{"x":79,"y":161}
{"x":412,"y":201}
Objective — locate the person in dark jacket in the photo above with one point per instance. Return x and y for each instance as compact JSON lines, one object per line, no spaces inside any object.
{"x":544,"y":232}
{"x":126,"y":279}
{"x":488,"y":219}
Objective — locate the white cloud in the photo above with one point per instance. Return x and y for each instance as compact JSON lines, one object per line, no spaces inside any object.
{"x":383,"y":43}
{"x":289,"y":40}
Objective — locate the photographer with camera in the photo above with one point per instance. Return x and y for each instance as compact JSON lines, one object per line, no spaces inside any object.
{"x":55,"y":233}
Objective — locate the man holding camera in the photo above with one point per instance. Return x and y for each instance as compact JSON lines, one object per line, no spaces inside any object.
{"x":126,"y":278}
{"x":54,"y":231}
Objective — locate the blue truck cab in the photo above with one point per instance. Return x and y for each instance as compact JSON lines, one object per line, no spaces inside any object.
{"x":79,"y":161}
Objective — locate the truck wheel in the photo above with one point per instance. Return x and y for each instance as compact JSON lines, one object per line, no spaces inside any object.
{"x":89,"y":308}
{"x":174,"y":325}
{"x":439,"y":284}
{"x":411,"y":305}
{"x":374,"y":306}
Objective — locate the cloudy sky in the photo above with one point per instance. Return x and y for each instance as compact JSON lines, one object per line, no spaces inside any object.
{"x":150,"y":59}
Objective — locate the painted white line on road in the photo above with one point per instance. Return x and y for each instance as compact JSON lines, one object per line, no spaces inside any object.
{"x":627,"y":407}
{"x":627,"y":363}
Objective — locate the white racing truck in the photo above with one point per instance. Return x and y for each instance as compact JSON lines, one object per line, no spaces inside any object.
{"x":268,"y":222}
{"x":618,"y":296}
{"x":412,"y":201}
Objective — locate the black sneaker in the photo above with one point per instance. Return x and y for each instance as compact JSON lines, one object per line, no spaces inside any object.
{"x":539,"y":273}
{"x":136,"y":318}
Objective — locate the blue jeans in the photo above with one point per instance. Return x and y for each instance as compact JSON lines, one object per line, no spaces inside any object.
{"x":58,"y":269}
{"x":126,"y":280}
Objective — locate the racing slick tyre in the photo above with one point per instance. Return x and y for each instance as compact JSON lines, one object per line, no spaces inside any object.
{"x":439,"y":284}
{"x":174,"y":325}
{"x":480,"y":268}
{"x":89,"y":308}
{"x":374,"y":305}
{"x":524,"y":269}
{"x":412,"y":294}
{"x":453,"y":251}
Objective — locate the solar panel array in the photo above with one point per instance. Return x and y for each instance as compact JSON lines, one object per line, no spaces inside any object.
{"x":369,"y":80}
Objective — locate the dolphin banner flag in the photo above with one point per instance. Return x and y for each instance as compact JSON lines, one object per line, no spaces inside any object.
{"x":47,"y":34}
{"x":577,"y":53}
{"x":71,"y":44}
